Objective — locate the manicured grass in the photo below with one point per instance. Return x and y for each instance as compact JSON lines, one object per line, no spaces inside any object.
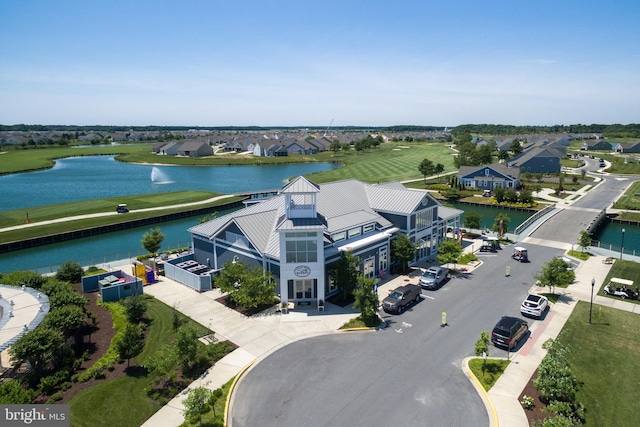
{"x":49,"y":229}
{"x":604,"y":358}
{"x":123,"y":401}
{"x":630,"y":199}
{"x":579,"y":255}
{"x":619,"y":166}
{"x":622,"y":269}
{"x":491,"y":372}
{"x":388,"y":162}
{"x":41,"y":158}
{"x":629,"y":216}
{"x":359,"y":323}
{"x":61,"y":210}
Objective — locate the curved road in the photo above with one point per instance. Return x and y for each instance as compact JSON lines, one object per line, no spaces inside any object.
{"x":407,"y":374}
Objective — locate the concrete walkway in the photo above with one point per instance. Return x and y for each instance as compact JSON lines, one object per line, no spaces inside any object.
{"x":262,"y":334}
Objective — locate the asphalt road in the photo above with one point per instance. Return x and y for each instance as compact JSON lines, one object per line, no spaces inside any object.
{"x":407,"y":374}
{"x":567,"y":224}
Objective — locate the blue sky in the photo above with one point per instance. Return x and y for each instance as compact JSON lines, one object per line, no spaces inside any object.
{"x":301,"y":63}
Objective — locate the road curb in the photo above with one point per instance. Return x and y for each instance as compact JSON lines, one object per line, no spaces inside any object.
{"x":491,"y":410}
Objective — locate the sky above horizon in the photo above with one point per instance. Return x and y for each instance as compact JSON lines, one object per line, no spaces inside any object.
{"x":298,"y":63}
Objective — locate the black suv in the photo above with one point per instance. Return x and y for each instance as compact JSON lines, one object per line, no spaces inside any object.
{"x":508,"y":331}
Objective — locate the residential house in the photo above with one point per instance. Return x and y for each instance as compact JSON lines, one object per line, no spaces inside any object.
{"x":194,"y":148}
{"x":489,"y":177}
{"x":596,"y":145}
{"x":627,"y":147}
{"x":299,"y":234}
{"x":538,"y":160}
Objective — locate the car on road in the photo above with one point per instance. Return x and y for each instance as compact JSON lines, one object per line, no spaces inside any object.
{"x":508,"y":332}
{"x":433,"y":277}
{"x":400,"y":298}
{"x":534,"y":305}
{"x":122,"y":208}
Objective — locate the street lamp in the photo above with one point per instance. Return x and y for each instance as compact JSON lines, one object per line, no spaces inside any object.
{"x":622,"y":244}
{"x":593,"y":283}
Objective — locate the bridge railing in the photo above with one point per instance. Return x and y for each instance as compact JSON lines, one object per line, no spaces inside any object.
{"x":533,"y":218}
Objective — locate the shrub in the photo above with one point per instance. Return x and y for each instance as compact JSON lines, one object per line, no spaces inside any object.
{"x":70,"y":271}
{"x":527,"y":402}
{"x":56,"y":397}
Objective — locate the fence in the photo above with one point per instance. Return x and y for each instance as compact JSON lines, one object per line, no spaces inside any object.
{"x":109,"y":260}
{"x":614,"y":248}
{"x":533,"y":218}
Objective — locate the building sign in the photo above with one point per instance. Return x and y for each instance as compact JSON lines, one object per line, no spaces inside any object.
{"x":302,"y":271}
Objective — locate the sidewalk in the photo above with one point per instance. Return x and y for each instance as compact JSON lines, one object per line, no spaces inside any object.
{"x":504,"y":394}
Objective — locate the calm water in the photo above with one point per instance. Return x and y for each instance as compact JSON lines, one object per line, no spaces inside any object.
{"x":81,"y":178}
{"x":85,"y":178}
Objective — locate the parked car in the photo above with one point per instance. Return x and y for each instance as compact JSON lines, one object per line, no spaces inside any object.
{"x":508,"y":332}
{"x":434,"y":277}
{"x":400,"y":298}
{"x":122,"y":209}
{"x":486,"y":193}
{"x":534,"y":305}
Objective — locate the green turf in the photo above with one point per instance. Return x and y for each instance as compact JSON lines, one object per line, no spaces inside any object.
{"x":622,"y":269}
{"x":604,"y":358}
{"x":127,"y":403}
{"x":491,"y":372}
{"x":630,"y":199}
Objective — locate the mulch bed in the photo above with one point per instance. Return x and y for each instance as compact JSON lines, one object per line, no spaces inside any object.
{"x":536,"y":413}
{"x":247,"y":311}
{"x":96,"y":340}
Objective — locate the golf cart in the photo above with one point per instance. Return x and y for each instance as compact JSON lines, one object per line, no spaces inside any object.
{"x":520,"y":254}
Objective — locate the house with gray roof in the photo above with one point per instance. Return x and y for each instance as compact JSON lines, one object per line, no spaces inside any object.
{"x":596,"y":145}
{"x":538,"y":159}
{"x":627,"y":147}
{"x":194,"y":148}
{"x":489,"y":177}
{"x":299,"y":234}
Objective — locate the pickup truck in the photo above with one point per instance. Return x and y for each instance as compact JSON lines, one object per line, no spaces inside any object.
{"x":434,"y":277}
{"x":400,"y":298}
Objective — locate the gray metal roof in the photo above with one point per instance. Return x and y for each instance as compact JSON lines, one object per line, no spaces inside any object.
{"x":340,"y":206}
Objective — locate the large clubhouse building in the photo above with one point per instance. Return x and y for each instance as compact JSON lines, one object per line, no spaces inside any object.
{"x":298,"y":234}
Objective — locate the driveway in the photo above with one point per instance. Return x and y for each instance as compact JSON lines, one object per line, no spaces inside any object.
{"x":407,"y":374}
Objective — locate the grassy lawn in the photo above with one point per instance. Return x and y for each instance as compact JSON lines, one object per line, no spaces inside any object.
{"x":604,"y":358}
{"x":623,"y":270}
{"x":128,"y":404}
{"x":491,"y":372}
{"x":8,"y":218}
{"x":630,"y":199}
{"x":33,"y":159}
{"x":619,"y":166}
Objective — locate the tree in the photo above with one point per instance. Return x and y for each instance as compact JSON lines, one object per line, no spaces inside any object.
{"x":70,"y":271}
{"x":66,"y":319}
{"x":335,"y":146}
{"x":346,"y":147}
{"x":449,"y":251}
{"x":38,"y":347}
{"x":482,"y":347}
{"x":134,"y":308}
{"x":247,"y":287}
{"x":130,"y":344}
{"x":344,"y":273}
{"x":359,"y":146}
{"x":515,"y":147}
{"x":556,"y":272}
{"x":498,"y":194}
{"x":197,"y":403}
{"x":187,"y":346}
{"x":152,"y":240}
{"x":366,"y":300}
{"x":163,"y":362}
{"x":585,"y":239}
{"x":501,"y":224}
{"x":426,"y":168}
{"x":472,"y":220}
{"x":438,"y":169}
{"x":404,"y":250}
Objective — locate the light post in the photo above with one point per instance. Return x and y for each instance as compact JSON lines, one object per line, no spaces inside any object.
{"x":622,"y":244}
{"x":593,"y":283}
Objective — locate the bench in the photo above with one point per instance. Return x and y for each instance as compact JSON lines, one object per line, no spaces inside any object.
{"x":607,"y":260}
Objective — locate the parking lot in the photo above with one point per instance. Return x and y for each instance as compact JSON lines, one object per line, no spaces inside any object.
{"x":406,"y":374}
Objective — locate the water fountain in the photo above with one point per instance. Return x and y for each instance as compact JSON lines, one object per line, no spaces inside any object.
{"x":159,"y":177}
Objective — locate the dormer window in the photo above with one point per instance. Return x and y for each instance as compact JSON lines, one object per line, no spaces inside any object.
{"x":486,"y":172}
